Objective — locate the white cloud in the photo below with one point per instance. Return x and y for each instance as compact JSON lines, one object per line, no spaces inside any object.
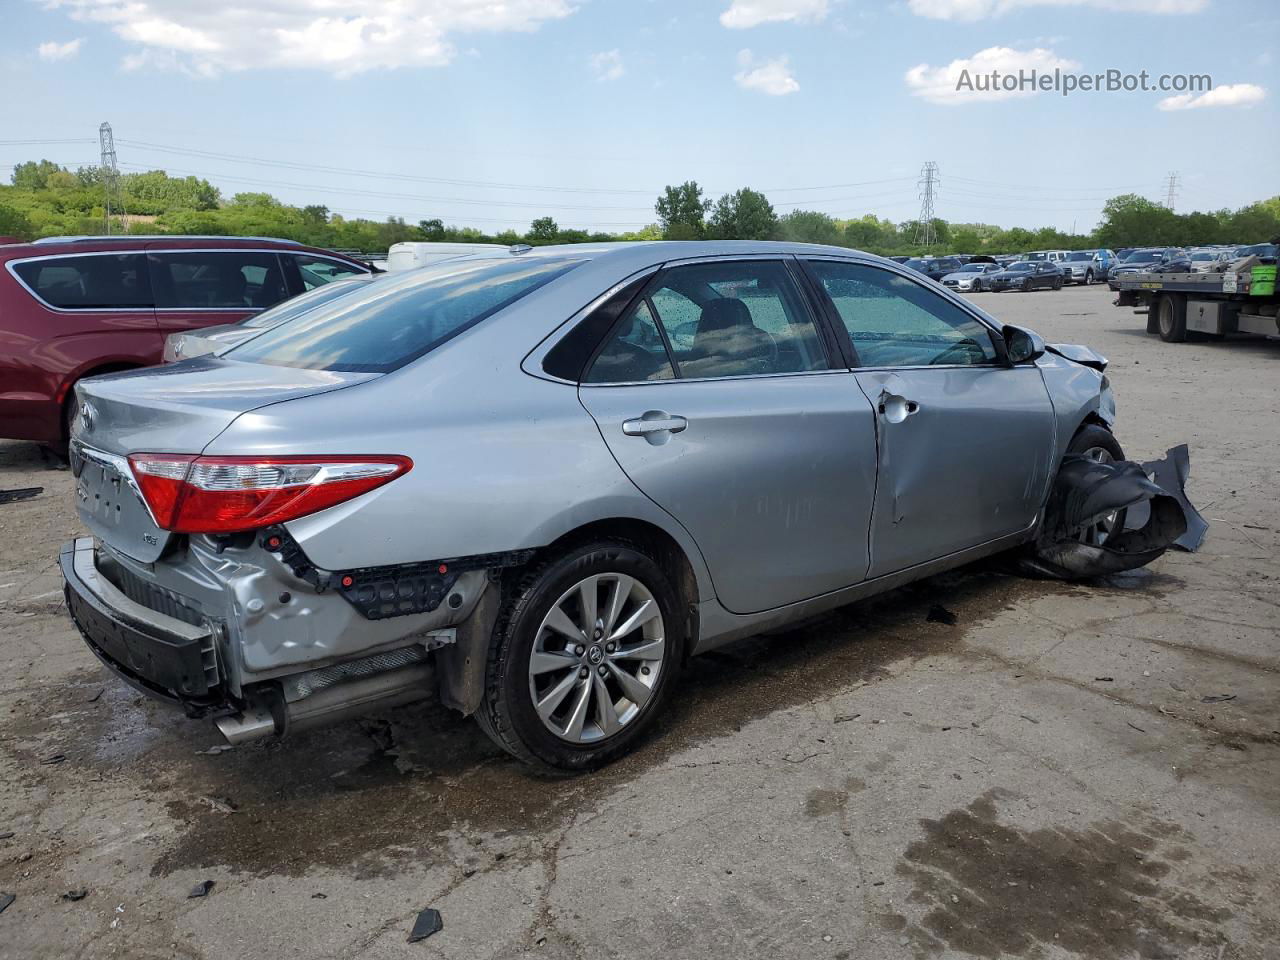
{"x":607,"y":65}
{"x":343,"y":38}
{"x":767,"y":76}
{"x":982,"y":9}
{"x":53,"y":50}
{"x":743,"y":14}
{"x":1228,"y":95}
{"x":939,"y":84}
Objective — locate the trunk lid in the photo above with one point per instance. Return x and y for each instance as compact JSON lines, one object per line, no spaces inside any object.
{"x":177,"y":409}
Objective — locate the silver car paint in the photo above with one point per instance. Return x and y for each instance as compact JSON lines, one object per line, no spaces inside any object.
{"x":504,"y":461}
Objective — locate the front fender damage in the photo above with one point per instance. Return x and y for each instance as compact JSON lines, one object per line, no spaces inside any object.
{"x":1105,"y":518}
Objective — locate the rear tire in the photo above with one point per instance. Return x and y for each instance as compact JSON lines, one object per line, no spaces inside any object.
{"x":597,"y":696}
{"x":1057,"y":283}
{"x":1088,"y":278}
{"x":1171,"y":317}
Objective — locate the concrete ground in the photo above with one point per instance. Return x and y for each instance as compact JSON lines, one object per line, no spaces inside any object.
{"x":1046,"y":778}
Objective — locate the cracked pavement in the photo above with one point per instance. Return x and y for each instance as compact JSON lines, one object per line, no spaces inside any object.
{"x":1043,"y":779}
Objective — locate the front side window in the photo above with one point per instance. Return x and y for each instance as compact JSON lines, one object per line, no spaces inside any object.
{"x":317,"y":271}
{"x":202,"y":280}
{"x":725,"y":319}
{"x":102,"y":282}
{"x":397,"y":319}
{"x":896,"y":322}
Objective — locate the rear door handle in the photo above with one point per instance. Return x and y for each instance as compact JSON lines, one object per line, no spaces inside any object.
{"x":653,"y":422}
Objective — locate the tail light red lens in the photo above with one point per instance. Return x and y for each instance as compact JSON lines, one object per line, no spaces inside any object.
{"x":189,"y":494}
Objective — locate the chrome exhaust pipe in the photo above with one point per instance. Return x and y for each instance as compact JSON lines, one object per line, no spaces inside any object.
{"x":338,"y":702}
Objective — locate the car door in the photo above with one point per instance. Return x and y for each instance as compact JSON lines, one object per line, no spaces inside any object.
{"x":201,"y":288}
{"x":723,"y":399}
{"x":966,"y":442}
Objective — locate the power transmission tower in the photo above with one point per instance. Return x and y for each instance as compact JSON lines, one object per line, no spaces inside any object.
{"x":110,"y":175}
{"x":926,"y":235}
{"x":1171,"y":194}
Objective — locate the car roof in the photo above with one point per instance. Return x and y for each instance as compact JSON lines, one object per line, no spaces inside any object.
{"x":58,"y":246}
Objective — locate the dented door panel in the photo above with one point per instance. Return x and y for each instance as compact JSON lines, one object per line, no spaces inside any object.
{"x":965,"y":453}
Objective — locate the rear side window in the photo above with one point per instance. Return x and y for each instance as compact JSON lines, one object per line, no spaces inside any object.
{"x":719,"y":319}
{"x":317,"y":271}
{"x":202,"y":280}
{"x":398,"y":319}
{"x":102,"y":282}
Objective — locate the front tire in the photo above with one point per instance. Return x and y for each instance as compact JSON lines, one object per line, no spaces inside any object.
{"x":583,"y":657}
{"x":1088,"y":278}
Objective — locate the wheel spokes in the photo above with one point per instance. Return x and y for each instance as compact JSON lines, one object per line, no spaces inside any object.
{"x":646,"y":611}
{"x":618,"y":597}
{"x":548,"y":704}
{"x":578,"y":716}
{"x":547,"y":661}
{"x":645,"y":651}
{"x":636,"y":691}
{"x":561,"y":623}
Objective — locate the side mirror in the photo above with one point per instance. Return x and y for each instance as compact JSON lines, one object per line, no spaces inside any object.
{"x":1021,"y":345}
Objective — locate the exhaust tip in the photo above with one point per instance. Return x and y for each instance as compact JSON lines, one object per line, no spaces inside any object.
{"x":254,"y":724}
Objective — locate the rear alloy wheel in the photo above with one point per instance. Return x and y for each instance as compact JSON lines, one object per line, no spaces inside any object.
{"x":1026,"y":285}
{"x":582,"y":658}
{"x":1057,"y":283}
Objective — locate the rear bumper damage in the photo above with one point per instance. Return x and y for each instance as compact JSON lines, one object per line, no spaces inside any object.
{"x":1142,"y":508}
{"x":256,"y":636}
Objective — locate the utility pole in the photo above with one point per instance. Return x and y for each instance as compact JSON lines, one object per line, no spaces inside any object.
{"x":926,"y":235}
{"x":110,"y":175}
{"x":1171,"y":194}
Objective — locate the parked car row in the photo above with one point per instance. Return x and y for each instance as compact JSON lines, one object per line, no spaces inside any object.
{"x":72,"y":307}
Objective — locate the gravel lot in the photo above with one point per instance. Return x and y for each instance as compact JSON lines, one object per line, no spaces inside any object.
{"x":1042,"y":779}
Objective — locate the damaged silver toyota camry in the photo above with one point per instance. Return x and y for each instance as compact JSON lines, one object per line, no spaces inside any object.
{"x":538,"y":482}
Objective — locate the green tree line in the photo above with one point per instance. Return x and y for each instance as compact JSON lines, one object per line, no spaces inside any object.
{"x":45,"y":199}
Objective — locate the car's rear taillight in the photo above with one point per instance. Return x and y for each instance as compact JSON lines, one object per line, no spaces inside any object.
{"x":189,"y":494}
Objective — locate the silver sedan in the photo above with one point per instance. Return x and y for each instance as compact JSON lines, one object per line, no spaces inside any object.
{"x":538,"y":481}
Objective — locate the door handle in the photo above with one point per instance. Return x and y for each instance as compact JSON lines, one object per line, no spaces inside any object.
{"x":895,"y":409}
{"x":650,"y":424}
{"x":656,"y":426}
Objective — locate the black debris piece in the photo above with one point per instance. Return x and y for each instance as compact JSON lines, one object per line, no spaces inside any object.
{"x":201,"y":889}
{"x":1218,"y":698}
{"x":74,"y":895}
{"x":6,"y":835}
{"x":319,"y":896}
{"x":5,"y":900}
{"x":1105,"y":518}
{"x":97,"y":696}
{"x":846,"y":717}
{"x":56,"y":758}
{"x":1104,"y":679}
{"x":429,"y":921}
{"x":1171,"y":474}
{"x":23,"y":493}
{"x":940,"y":614}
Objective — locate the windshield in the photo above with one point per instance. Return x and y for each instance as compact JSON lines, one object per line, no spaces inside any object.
{"x":1142,"y":256}
{"x":306,"y":301}
{"x":972,"y":268}
{"x":914,"y":263}
{"x":1019,"y":267}
{"x":1036,"y":256}
{"x":1204,"y":255}
{"x":1080,"y":255}
{"x":400,"y":318}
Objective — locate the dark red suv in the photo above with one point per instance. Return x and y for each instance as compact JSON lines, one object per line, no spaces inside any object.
{"x":71,"y":307}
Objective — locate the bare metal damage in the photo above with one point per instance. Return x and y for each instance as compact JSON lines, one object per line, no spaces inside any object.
{"x":1142,"y":509}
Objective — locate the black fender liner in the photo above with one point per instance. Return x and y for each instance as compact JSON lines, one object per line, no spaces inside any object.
{"x":1157,"y":516}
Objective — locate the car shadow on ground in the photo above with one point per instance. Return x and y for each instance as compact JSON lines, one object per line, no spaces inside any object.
{"x":365,"y":795}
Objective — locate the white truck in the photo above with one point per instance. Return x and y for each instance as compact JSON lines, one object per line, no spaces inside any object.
{"x":1192,"y":306}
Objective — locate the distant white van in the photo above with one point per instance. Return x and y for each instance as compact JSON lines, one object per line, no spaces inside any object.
{"x":412,"y":253}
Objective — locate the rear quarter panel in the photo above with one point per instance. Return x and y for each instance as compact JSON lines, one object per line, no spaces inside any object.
{"x":502,"y":460}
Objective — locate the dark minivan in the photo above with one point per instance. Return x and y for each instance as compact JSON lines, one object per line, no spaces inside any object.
{"x":72,"y":307}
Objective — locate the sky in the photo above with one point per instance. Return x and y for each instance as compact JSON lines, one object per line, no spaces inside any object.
{"x":490,"y":113}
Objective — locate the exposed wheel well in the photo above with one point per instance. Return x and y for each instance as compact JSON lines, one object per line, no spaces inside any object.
{"x":1093,"y":418}
{"x":657,"y":543}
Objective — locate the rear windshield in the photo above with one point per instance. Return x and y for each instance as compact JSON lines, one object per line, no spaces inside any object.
{"x":306,"y":301}
{"x":398,"y":319}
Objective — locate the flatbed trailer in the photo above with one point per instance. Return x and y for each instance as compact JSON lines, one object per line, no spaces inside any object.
{"x":1194,"y":306}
